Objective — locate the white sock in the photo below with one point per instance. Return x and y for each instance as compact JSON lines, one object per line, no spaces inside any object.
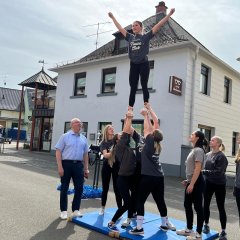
{"x":139,"y":221}
{"x":164,"y":221}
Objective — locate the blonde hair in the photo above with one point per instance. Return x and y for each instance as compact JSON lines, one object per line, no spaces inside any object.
{"x":220,"y":141}
{"x":105,"y":133}
{"x":238,"y":155}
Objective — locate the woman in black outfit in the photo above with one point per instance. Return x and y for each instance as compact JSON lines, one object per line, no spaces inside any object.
{"x":127,"y":159}
{"x":110,"y":168}
{"x":214,"y":171}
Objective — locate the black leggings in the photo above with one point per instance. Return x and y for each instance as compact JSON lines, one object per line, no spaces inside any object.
{"x":220,"y":194}
{"x":195,"y":198}
{"x":107,"y":172}
{"x":155,"y":186}
{"x":136,"y":70}
{"x":125,"y":185}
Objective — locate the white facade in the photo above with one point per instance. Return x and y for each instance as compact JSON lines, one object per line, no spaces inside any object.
{"x":179,"y":115}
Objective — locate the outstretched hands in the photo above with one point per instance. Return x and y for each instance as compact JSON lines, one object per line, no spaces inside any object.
{"x":110,"y":15}
{"x":172,"y":11}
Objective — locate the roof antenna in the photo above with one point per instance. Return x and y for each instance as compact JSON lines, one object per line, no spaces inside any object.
{"x":43,"y":63}
{"x":96,"y":34}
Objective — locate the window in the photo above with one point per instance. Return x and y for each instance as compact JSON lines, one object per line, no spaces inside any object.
{"x":227,"y":90}
{"x":80,"y":82}
{"x":108,"y":82}
{"x":14,"y":125}
{"x":208,"y":132}
{"x":150,"y":79}
{"x":67,"y":127}
{"x":204,"y":80}
{"x":234,"y":143}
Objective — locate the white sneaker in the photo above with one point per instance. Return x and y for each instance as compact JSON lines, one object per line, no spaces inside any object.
{"x":76,"y":213}
{"x":102,"y":210}
{"x":184,"y":232}
{"x":63,"y":215}
{"x":194,"y":236}
{"x":170,"y":226}
{"x":126,"y":222}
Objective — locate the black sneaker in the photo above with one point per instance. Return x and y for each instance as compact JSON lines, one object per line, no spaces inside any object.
{"x":206,"y":229}
{"x":136,"y":231}
{"x":223,"y":235}
{"x":164,"y":228}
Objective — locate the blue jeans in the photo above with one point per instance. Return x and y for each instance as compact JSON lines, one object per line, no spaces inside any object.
{"x":74,"y":171}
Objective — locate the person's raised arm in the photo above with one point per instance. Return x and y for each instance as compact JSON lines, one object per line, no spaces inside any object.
{"x":117,"y":24}
{"x":153,"y":116}
{"x":127,"y":128}
{"x":163,"y":21}
{"x":147,"y":125}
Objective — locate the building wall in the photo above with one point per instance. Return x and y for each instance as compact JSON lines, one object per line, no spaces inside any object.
{"x":93,"y":109}
{"x":179,"y":115}
{"x":9,"y":117}
{"x":211,"y":110}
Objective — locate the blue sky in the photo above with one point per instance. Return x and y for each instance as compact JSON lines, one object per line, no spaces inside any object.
{"x":58,"y":30}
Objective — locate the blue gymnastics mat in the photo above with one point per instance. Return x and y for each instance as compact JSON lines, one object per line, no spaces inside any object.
{"x":96,"y":222}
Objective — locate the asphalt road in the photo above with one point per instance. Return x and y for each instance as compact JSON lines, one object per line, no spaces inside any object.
{"x":29,"y":202}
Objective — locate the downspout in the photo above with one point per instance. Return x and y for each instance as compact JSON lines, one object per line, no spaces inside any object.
{"x":194,"y":78}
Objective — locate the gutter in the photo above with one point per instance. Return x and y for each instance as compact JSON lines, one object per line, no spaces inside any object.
{"x":194,"y":79}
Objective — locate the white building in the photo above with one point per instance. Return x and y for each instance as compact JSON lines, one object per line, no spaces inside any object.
{"x":96,"y":90}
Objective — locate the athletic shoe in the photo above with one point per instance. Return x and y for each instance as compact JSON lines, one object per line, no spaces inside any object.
{"x":101,"y":212}
{"x":163,"y":228}
{"x":126,"y":223}
{"x":112,"y":227}
{"x":184,"y":232}
{"x":136,"y":231}
{"x":170,"y":226}
{"x":206,"y":229}
{"x":194,"y":236}
{"x":76,"y":213}
{"x":63,"y":215}
{"x":223,"y":235}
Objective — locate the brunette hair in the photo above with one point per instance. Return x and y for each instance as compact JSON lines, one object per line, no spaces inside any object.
{"x":157,"y":137}
{"x":202,"y":142}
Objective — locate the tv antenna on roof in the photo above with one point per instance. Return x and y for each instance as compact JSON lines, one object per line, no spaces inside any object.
{"x":43,"y":63}
{"x":97,"y":34}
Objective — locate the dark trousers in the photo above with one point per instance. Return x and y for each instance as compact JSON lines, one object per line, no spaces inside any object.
{"x":74,"y":171}
{"x":125,"y":184}
{"x":107,"y":172}
{"x":155,"y":186}
{"x":195,"y":198}
{"x":136,"y":70}
{"x":220,"y":194}
{"x":237,"y":195}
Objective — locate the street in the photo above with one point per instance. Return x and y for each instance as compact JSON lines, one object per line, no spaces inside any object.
{"x":29,"y":202}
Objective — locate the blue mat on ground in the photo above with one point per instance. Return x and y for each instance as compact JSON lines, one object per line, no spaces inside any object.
{"x":88,"y":191}
{"x":96,"y":222}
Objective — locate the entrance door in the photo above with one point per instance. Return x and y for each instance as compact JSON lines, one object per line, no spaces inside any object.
{"x":46,"y":137}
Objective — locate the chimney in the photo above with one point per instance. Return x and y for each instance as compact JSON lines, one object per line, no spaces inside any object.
{"x":161,"y":11}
